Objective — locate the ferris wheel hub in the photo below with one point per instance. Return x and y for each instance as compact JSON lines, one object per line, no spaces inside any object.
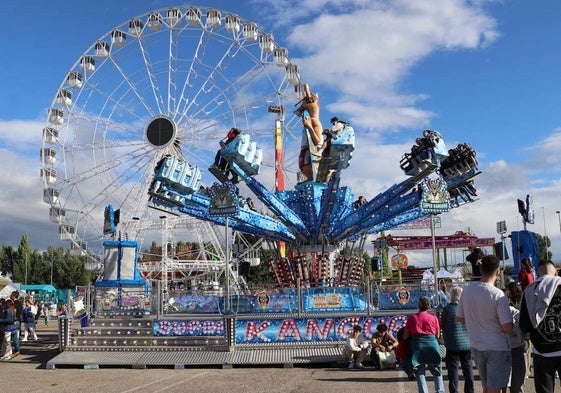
{"x":160,"y":131}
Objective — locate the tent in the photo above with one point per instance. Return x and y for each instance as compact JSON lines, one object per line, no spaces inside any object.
{"x":41,"y":292}
{"x":443,"y":273}
{"x":7,"y":287}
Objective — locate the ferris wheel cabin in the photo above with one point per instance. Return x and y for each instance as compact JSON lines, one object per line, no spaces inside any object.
{"x":50,"y":135}
{"x":48,"y":176}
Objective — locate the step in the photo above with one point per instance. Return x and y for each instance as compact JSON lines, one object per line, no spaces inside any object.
{"x":123,"y":342}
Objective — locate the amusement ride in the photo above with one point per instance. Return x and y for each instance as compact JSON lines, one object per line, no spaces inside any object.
{"x":175,"y":123}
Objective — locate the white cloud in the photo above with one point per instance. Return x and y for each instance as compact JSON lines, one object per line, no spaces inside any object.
{"x":22,"y":209}
{"x":362,"y":50}
{"x":21,"y":135}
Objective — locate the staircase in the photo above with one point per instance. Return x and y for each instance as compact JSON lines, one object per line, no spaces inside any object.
{"x":120,"y":331}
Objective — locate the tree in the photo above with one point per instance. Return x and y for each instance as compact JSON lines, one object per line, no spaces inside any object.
{"x":71,"y":272}
{"x":55,"y":265}
{"x":544,"y":243}
{"x":8,"y":258}
{"x":22,"y":261}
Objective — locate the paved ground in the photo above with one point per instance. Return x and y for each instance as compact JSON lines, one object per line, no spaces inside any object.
{"x":27,"y":373}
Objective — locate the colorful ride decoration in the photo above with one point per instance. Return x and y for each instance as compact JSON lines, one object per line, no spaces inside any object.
{"x":435,"y":198}
{"x":314,"y":213}
{"x":456,"y":240}
{"x":399,"y":261}
{"x":255,"y":330}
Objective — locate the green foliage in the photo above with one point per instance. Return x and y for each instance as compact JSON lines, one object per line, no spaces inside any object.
{"x":7,"y":258}
{"x":544,"y":243}
{"x":260,"y":274}
{"x":55,"y":265}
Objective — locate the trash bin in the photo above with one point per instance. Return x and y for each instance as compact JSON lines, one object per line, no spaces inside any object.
{"x":84,"y":320}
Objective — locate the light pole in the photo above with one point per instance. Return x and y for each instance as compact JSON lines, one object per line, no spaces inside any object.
{"x":434,"y":263}
{"x":559,"y":218}
{"x":52,"y":264}
{"x":544,"y":230}
{"x":227,"y":250}
{"x":501,"y":230}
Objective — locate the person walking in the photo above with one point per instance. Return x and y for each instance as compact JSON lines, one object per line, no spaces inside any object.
{"x":458,"y":348}
{"x":28,"y":318}
{"x":539,"y":316}
{"x":423,"y":331}
{"x":18,"y":304}
{"x":517,"y":346}
{"x":46,"y":314}
{"x":8,"y":321}
{"x":485,"y":310}
{"x":526,"y":275}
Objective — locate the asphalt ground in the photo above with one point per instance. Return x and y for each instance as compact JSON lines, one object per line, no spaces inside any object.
{"x":27,"y":373}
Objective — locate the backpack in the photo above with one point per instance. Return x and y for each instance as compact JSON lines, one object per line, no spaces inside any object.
{"x":549,"y":329}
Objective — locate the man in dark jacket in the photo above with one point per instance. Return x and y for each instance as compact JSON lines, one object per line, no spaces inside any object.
{"x":18,"y":303}
{"x":539,"y":316}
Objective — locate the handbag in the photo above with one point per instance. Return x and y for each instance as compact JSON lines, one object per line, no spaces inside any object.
{"x":442,"y":349}
{"x":387,"y":359}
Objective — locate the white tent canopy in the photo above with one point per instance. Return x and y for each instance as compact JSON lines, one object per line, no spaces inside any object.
{"x":442,"y":273}
{"x":7,"y":287}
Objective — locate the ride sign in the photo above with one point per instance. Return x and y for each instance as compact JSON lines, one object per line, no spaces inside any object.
{"x":435,"y":198}
{"x":223,"y":200}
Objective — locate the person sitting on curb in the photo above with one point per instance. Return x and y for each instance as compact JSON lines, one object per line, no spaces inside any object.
{"x":356,"y":348}
{"x":383,"y":346}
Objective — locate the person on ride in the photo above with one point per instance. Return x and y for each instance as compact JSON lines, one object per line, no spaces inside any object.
{"x":331,"y":133}
{"x":221,"y":162}
{"x":430,"y":140}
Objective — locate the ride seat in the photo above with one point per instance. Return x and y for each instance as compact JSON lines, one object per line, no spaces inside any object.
{"x":341,"y":147}
{"x":180,"y":173}
{"x":244,"y":153}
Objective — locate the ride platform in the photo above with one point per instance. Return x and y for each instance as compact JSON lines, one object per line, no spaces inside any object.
{"x":286,"y":357}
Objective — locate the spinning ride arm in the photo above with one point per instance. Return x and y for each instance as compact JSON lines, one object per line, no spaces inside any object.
{"x":246,"y":220}
{"x":415,"y":213}
{"x":385,"y":207}
{"x":240,"y":155}
{"x":284,"y":213}
{"x":174,"y":187}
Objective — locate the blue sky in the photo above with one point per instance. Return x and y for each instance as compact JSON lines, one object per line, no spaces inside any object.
{"x":482,"y":72}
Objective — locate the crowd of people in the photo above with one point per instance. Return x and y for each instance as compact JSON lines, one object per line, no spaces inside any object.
{"x":498,"y":330}
{"x":17,"y":312}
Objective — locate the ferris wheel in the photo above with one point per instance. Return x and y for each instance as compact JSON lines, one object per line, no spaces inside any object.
{"x":171,"y":81}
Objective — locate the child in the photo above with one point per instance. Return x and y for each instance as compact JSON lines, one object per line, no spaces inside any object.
{"x":28,"y":318}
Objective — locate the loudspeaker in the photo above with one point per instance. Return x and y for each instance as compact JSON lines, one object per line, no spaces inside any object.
{"x":499,"y":251}
{"x":521,"y":207}
{"x":376,"y":264}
